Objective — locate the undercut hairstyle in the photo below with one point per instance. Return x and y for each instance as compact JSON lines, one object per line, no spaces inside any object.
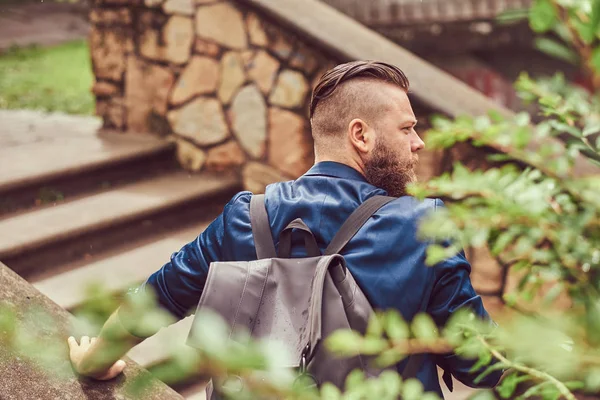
{"x":347,"y":91}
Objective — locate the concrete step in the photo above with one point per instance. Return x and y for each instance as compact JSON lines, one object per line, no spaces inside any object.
{"x":42,"y":239}
{"x":115,"y":273}
{"x":47,"y":157}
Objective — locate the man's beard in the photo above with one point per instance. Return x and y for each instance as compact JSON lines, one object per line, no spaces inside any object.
{"x":390,"y":171}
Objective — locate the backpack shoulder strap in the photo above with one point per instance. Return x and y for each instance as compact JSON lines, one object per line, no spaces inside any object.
{"x":356,"y":220}
{"x":261,"y":229}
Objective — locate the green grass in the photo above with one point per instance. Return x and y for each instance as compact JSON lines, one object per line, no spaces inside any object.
{"x":55,"y":78}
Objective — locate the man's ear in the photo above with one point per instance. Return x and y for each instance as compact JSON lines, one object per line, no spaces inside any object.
{"x":361,"y":136}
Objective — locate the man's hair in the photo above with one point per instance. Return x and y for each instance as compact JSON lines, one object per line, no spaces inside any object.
{"x":333,"y":103}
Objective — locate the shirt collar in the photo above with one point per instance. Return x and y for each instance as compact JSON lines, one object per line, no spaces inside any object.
{"x":336,"y":170}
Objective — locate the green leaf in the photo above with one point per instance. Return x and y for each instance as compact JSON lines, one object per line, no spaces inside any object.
{"x":481,"y":123}
{"x":392,"y":382}
{"x":563,"y":32}
{"x":503,"y":240}
{"x":375,"y":326}
{"x":210,"y":333}
{"x":575,"y":385}
{"x":556,"y":50}
{"x":523,"y":119}
{"x":595,"y":59}
{"x":395,"y":326}
{"x":344,"y":342}
{"x":354,"y":379}
{"x":542,"y":16}
{"x":562,"y":127}
{"x":534,"y":390}
{"x":521,"y":137}
{"x":435,"y":254}
{"x":8,"y":322}
{"x":591,"y":129}
{"x":553,"y":293}
{"x":509,"y":384}
{"x":424,"y":328}
{"x":550,"y":392}
{"x":586,"y":31}
{"x":595,"y":16}
{"x":330,"y":392}
{"x":501,"y":157}
{"x":485,"y":358}
{"x":496,"y":116}
{"x":592,"y":380}
{"x":512,"y":16}
{"x":495,"y":367}
{"x":550,"y":100}
{"x":412,"y":390}
{"x":389,"y":357}
{"x":372,"y":345}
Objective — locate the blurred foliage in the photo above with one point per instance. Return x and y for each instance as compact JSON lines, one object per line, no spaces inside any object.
{"x":259,"y":364}
{"x":57,"y":78}
{"x":538,"y":218}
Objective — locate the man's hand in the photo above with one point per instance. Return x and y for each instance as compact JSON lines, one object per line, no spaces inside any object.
{"x":79,"y":354}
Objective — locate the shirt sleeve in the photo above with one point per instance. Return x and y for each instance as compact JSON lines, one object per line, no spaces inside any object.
{"x":179,"y":283}
{"x":453,"y":291}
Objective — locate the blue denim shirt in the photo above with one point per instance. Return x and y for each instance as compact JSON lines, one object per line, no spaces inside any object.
{"x":385,"y":257}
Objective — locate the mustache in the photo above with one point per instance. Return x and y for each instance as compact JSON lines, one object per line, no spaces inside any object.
{"x":414,"y":160}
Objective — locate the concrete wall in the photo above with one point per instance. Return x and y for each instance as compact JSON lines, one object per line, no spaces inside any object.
{"x":226,"y":83}
{"x":34,"y":355}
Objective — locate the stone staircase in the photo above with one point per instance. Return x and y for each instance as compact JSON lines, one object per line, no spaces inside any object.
{"x":80,"y":207}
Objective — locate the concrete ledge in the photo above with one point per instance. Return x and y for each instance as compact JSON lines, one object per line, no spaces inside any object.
{"x":31,"y":230}
{"x":115,"y":273}
{"x":23,"y":377}
{"x":36,"y":147}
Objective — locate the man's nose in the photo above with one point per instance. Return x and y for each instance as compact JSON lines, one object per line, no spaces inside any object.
{"x":417,"y":144}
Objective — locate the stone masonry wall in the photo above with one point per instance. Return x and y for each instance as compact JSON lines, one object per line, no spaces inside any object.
{"x":230,"y":87}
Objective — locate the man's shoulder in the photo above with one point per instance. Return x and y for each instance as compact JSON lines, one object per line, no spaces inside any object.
{"x":406,"y":207}
{"x":409,"y":205}
{"x":407,"y":211}
{"x":239,"y":203}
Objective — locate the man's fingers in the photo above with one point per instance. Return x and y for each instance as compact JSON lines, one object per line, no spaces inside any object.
{"x":113,"y":371}
{"x":85,"y":341}
{"x":74,"y":350}
{"x":93,"y":340}
{"x":72,"y":343}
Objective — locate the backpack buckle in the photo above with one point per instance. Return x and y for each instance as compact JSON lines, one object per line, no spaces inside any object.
{"x":303,"y":361}
{"x":304,"y":379}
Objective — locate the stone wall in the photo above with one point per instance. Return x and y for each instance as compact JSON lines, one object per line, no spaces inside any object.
{"x":228,"y":85}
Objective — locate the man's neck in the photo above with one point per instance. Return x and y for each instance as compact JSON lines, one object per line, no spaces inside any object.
{"x":348,"y":162}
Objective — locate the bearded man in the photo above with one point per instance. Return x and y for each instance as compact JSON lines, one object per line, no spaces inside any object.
{"x":365,"y":145}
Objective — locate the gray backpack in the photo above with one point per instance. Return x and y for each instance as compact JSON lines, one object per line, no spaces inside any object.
{"x":296,"y":301}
